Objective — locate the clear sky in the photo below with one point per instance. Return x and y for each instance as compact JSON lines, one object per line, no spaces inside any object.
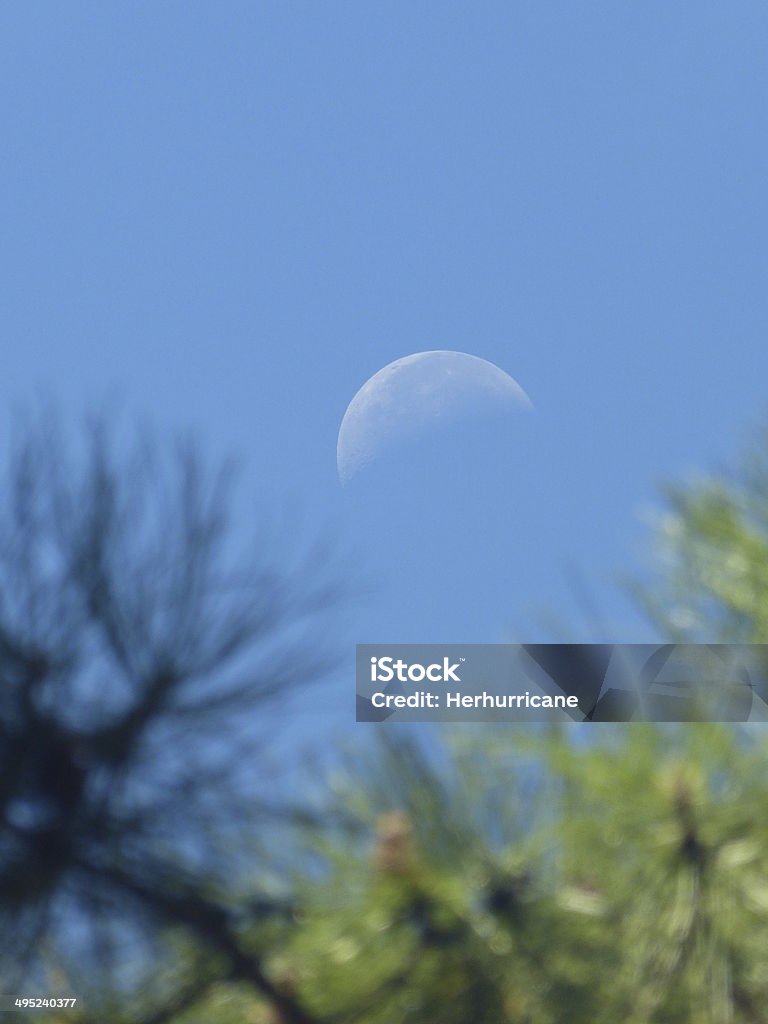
{"x":231,"y":214}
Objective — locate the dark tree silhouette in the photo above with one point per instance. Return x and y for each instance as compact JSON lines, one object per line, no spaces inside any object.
{"x":138,"y":652}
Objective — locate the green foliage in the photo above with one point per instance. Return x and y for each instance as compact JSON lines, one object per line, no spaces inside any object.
{"x":711,"y":582}
{"x":637,"y":890}
{"x":582,"y":874}
{"x":542,"y":878}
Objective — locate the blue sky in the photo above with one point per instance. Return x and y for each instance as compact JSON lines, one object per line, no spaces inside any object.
{"x":230,"y":215}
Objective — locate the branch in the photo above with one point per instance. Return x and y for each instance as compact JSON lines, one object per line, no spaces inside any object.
{"x":210,"y":922}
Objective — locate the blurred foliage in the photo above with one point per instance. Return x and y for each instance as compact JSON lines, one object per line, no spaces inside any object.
{"x":585,"y":874}
{"x":711,"y":556}
{"x":624,"y":879}
{"x":614,"y":874}
{"x":142,"y":656}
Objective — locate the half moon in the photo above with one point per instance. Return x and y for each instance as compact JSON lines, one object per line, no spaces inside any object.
{"x":414,"y":392}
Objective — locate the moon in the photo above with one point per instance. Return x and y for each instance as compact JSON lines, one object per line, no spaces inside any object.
{"x":412,"y":393}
